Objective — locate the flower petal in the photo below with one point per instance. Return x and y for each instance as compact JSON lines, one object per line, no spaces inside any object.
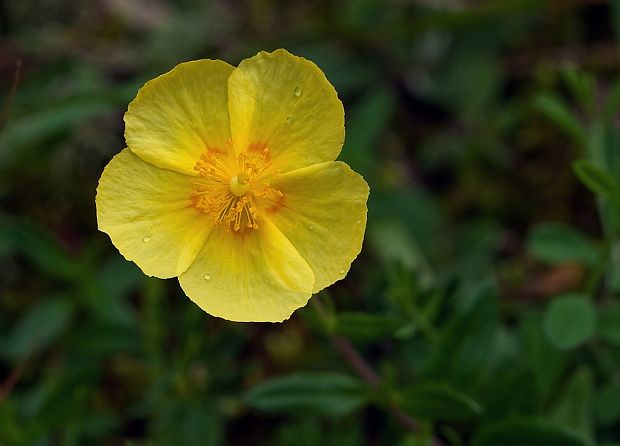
{"x":323,"y":215}
{"x":149,"y":215}
{"x":285,"y":103}
{"x":179,"y":114}
{"x":253,"y":276}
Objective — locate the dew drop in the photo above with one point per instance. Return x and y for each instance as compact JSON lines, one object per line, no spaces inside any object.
{"x":132,"y":211}
{"x":146,"y":239}
{"x":311,"y":227}
{"x":341,"y":271}
{"x":298,"y":91}
{"x":207,"y":276}
{"x":358,"y":221}
{"x":289,"y":119}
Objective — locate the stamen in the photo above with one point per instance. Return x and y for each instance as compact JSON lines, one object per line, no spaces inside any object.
{"x":229,"y":195}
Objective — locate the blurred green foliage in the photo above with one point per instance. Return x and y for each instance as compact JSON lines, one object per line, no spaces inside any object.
{"x":484,"y":307}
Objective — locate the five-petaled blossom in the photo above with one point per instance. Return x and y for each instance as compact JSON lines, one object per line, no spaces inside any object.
{"x":229,"y":183}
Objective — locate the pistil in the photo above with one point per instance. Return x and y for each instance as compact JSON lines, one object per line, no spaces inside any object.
{"x":240,"y":184}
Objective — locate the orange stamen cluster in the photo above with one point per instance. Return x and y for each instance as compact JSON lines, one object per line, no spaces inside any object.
{"x":229,"y":192}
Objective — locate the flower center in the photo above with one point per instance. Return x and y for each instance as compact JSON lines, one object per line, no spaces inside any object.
{"x":240,"y":184}
{"x":229,"y":197}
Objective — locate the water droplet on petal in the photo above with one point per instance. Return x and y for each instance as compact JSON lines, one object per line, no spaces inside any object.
{"x":342,"y":271}
{"x":358,"y":221}
{"x":289,"y":119}
{"x":207,"y":276}
{"x":146,"y":239}
{"x":298,"y":91}
{"x":311,"y":227}
{"x":132,"y":211}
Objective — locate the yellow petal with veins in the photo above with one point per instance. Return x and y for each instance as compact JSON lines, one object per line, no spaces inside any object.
{"x":252,"y":276}
{"x":180,"y":114}
{"x":285,"y":103}
{"x":323,"y":215}
{"x":150,"y":216}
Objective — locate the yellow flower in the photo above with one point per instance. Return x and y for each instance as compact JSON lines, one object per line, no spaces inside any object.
{"x":229,"y":183}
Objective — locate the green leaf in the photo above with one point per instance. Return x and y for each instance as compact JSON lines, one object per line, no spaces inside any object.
{"x":527,"y":432}
{"x":320,"y":393}
{"x":557,"y":111}
{"x":394,"y":244}
{"x":607,"y":404}
{"x":468,"y":338}
{"x":95,"y":339}
{"x":608,"y":327}
{"x":476,"y":245}
{"x":597,"y":180}
{"x":581,"y":84}
{"x":38,"y":328}
{"x":439,"y":401}
{"x":13,"y":430}
{"x":416,"y":211}
{"x":24,"y":137}
{"x":512,"y":390}
{"x":574,"y":409}
{"x":542,"y":357}
{"x":559,"y":243}
{"x":366,"y":327}
{"x":180,"y":423}
{"x":20,"y":237}
{"x":106,"y":293}
{"x":570,"y":321}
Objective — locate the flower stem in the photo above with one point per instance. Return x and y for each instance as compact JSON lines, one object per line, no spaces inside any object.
{"x":365,"y":371}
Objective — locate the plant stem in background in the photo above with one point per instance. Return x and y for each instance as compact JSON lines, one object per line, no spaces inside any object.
{"x":365,"y":371}
{"x":11,"y":380}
